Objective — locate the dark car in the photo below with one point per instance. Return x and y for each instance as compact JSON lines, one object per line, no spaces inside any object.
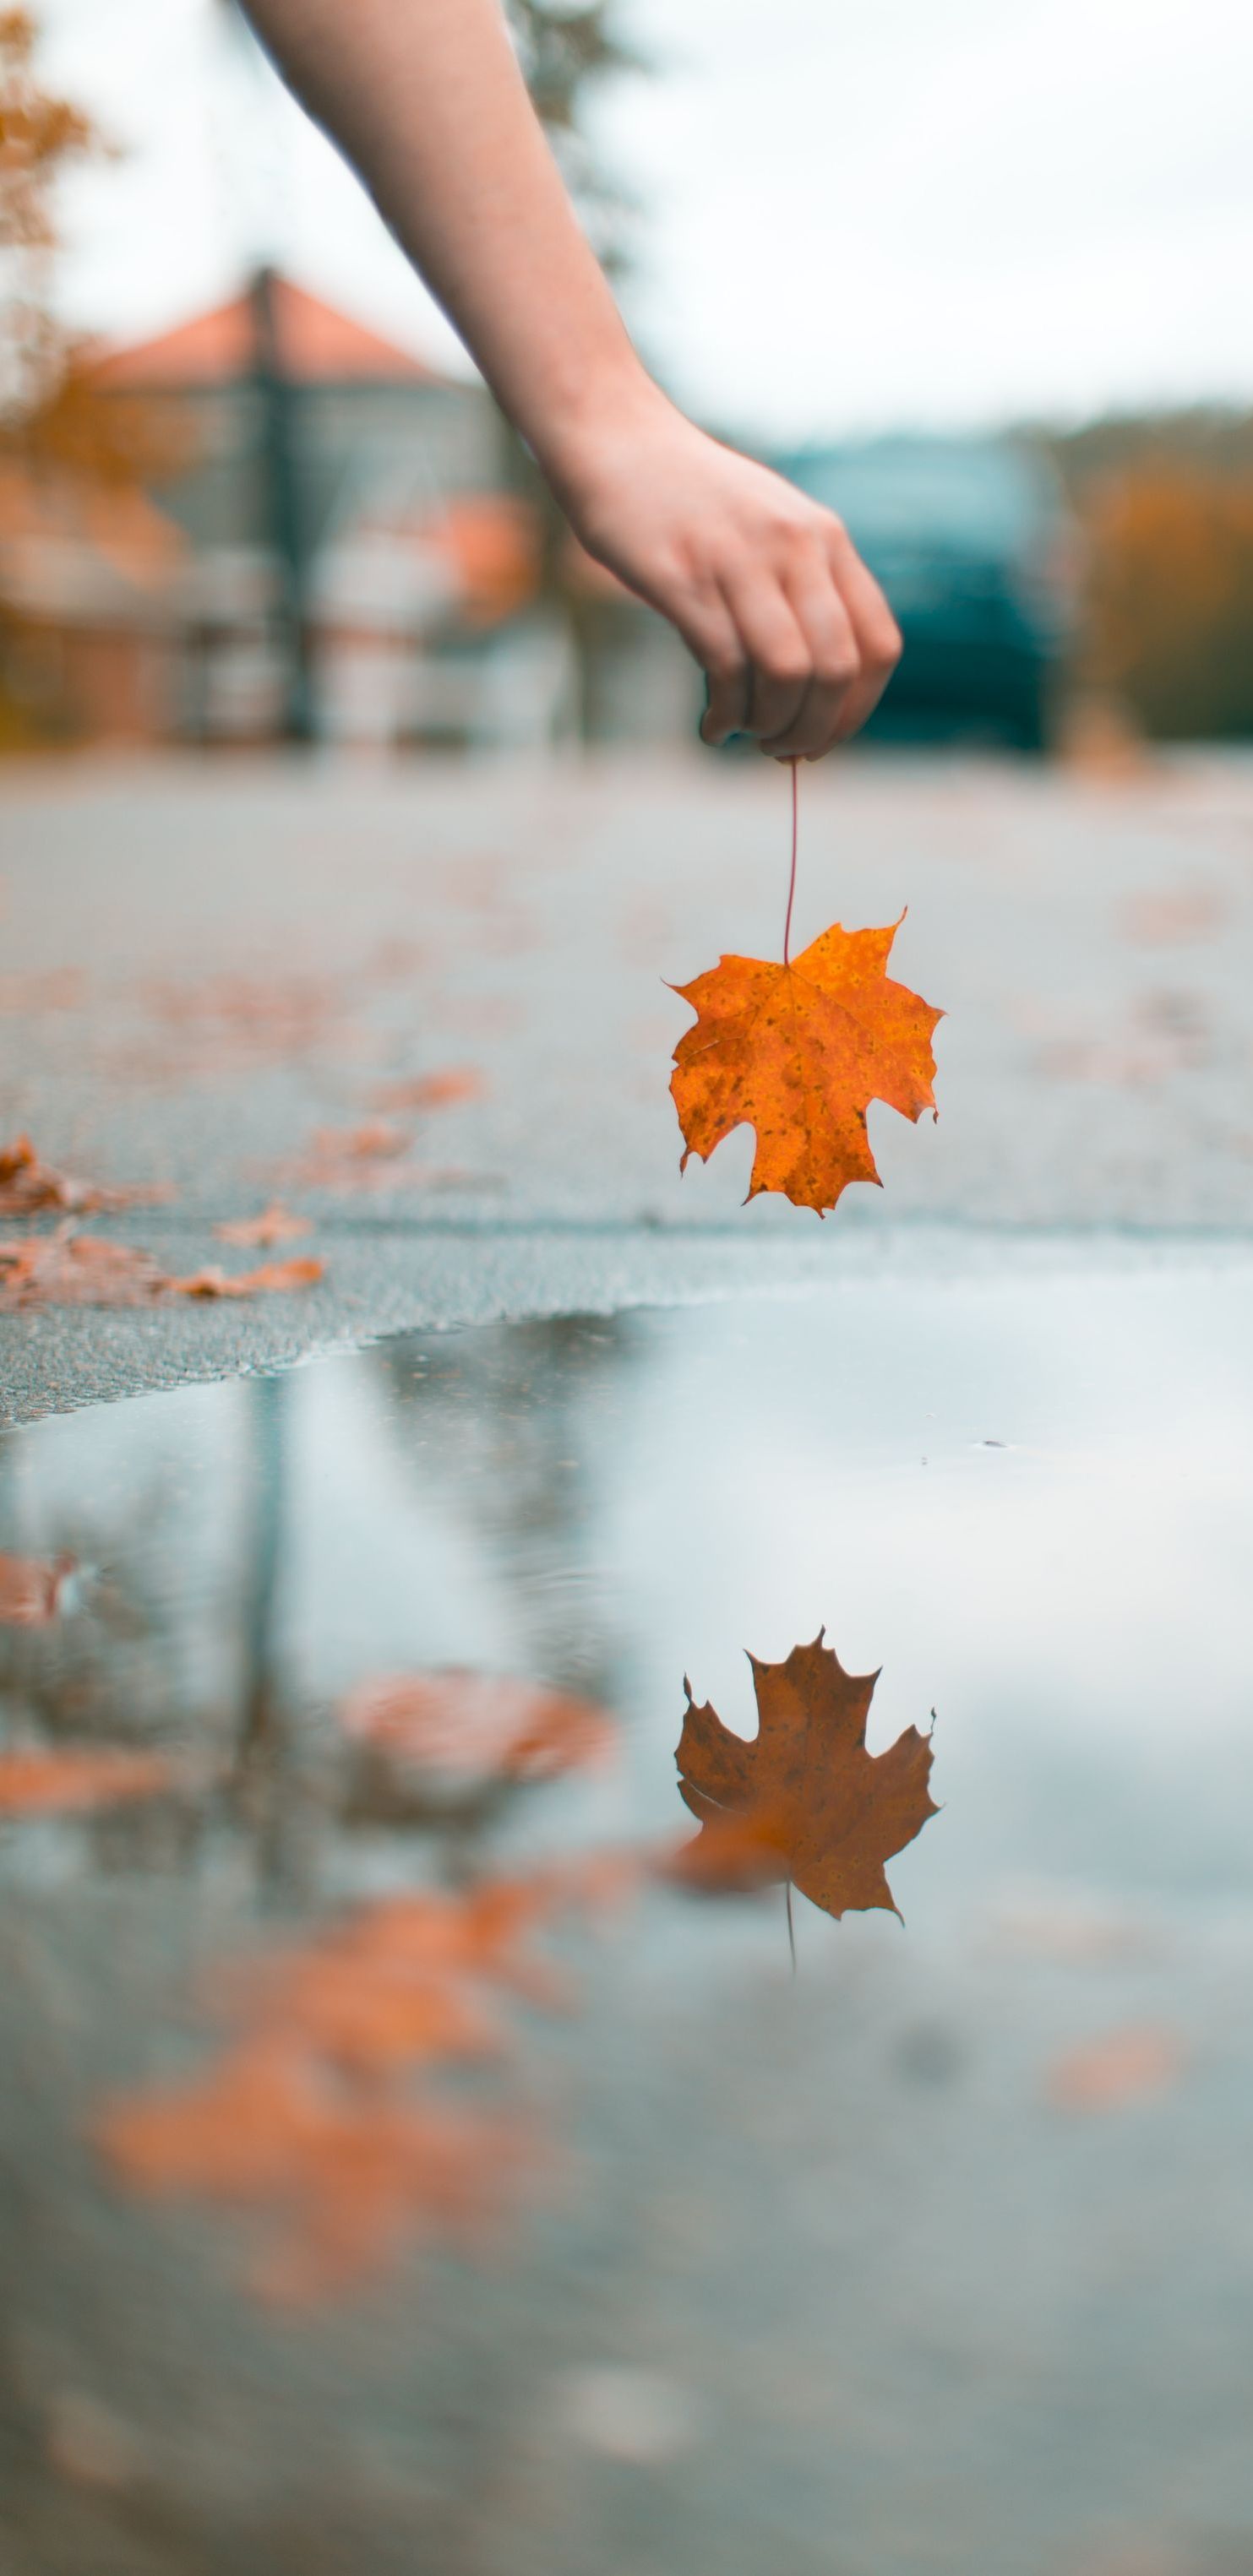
{"x":971,"y":542}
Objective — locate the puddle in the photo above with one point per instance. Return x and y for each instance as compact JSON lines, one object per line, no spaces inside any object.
{"x":997,"y":2155}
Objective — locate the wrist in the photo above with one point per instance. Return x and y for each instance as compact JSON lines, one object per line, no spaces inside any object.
{"x":590,"y":429}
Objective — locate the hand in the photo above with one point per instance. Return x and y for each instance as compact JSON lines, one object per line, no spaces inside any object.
{"x":765,"y":587}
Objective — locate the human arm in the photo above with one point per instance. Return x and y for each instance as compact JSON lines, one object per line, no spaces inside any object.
{"x":426,"y":99}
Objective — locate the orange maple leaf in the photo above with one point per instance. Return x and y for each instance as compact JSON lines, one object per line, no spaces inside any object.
{"x":799,"y":1051}
{"x":803,"y":1801}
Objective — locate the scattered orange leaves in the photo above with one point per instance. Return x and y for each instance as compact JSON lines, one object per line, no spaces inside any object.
{"x":271,"y":1278}
{"x":276,"y":1224}
{"x":372,"y":1156}
{"x":799,"y":1051}
{"x":70,"y":1269}
{"x":28,"y":1186}
{"x":433,"y":1090}
{"x":803,"y":1801}
{"x":45,"y":1783}
{"x":31,"y":1588}
{"x":477,"y":1725}
{"x":1126,"y":2065}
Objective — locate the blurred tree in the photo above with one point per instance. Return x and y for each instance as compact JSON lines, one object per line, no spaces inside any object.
{"x":566,"y":53}
{"x":1166,"y":503}
{"x":39,"y":136}
{"x":63,"y":444}
{"x":1171,"y":598}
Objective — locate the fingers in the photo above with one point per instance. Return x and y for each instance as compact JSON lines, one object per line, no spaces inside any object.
{"x":709,"y":632}
{"x":834,"y":655}
{"x":817,"y":646}
{"x":878,"y":635}
{"x":801,"y":652}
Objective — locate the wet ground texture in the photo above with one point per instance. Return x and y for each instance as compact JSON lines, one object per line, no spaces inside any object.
{"x":206,"y":965}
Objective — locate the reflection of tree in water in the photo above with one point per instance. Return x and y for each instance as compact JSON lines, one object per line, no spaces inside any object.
{"x":173,"y":1638}
{"x":167,"y":1637}
{"x":111,"y":1669}
{"x":509,"y":1424}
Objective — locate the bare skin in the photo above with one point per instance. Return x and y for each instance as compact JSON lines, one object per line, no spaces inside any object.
{"x":765,"y":587}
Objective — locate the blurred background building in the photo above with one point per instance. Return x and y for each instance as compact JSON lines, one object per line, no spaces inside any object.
{"x":271,"y":520}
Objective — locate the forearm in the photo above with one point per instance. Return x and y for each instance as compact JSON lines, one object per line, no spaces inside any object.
{"x":427,"y":100}
{"x":426,"y":97}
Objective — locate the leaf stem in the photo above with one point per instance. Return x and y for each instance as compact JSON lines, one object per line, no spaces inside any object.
{"x":791,"y":1927}
{"x":794,"y":766}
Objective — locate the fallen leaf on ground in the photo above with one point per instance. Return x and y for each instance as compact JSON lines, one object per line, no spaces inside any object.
{"x":31,"y":1588}
{"x":803,"y":1801}
{"x":233,"y":1023}
{"x":433,"y":1090}
{"x":28,"y":1186}
{"x":52,"y":1783}
{"x":270,"y":1279}
{"x":68,"y":1269}
{"x":354,"y":1158}
{"x":799,"y":1052}
{"x":276,"y":1224}
{"x":375,"y":1141}
{"x":477,"y":1725}
{"x":1126,"y":2065}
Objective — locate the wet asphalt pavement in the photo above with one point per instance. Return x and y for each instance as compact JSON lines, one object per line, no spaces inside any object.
{"x":205,"y":964}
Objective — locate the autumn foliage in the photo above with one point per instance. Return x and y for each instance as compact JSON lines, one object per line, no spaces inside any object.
{"x":1171,"y":596}
{"x":72,"y":1269}
{"x":799,"y":1051}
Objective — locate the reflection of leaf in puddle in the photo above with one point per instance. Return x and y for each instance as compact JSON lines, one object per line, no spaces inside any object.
{"x":803,"y":1802}
{"x":327,"y":2108}
{"x":1126,"y":2065}
{"x":31,"y":1589}
{"x":57,"y":1783}
{"x":350,"y":2171}
{"x":476,"y":1726}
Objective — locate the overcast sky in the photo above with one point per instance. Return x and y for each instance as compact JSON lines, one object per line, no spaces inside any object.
{"x":925,"y":211}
